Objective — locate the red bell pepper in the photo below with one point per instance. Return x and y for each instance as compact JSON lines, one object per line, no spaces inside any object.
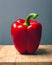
{"x":26,"y":34}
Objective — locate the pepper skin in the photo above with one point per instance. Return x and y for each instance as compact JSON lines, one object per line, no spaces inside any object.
{"x":26,"y":34}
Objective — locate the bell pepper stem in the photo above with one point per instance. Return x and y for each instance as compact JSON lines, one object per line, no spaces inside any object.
{"x":31,"y":15}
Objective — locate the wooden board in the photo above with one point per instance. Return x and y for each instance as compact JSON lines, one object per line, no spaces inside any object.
{"x":8,"y":53}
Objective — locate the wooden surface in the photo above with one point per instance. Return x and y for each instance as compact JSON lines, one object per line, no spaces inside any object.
{"x":8,"y":53}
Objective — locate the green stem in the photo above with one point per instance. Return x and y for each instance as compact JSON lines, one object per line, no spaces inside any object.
{"x":31,"y":15}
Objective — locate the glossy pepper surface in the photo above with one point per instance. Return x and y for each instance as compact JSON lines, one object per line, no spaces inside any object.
{"x":26,"y":34}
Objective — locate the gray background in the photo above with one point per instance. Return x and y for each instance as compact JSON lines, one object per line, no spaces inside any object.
{"x":10,"y":10}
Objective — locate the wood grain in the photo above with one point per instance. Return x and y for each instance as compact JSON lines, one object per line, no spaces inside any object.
{"x":8,"y":53}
